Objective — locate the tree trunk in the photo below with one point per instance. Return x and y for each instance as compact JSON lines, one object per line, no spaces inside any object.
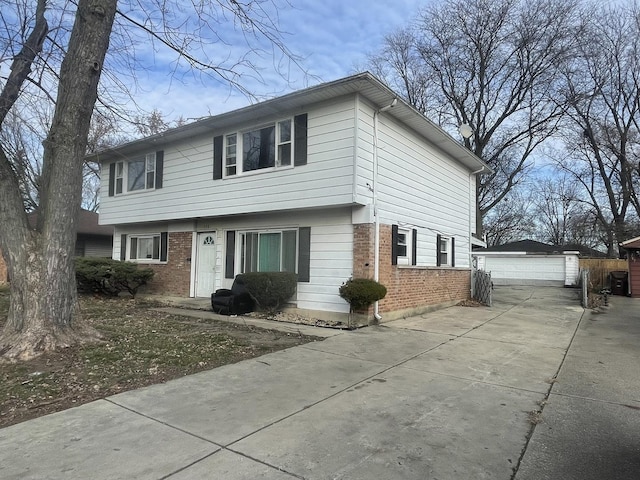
{"x":43,"y":308}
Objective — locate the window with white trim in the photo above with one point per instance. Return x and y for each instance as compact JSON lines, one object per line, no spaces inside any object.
{"x":404,"y":246}
{"x":119,"y":180}
{"x":268,"y":251}
{"x":444,"y":251}
{"x":268,"y":147}
{"x":139,"y":173}
{"x":231,"y":154}
{"x":144,"y":248}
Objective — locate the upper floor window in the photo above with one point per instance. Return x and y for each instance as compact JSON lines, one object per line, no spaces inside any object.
{"x":138,"y":173}
{"x":266,"y":147}
{"x":281,"y":144}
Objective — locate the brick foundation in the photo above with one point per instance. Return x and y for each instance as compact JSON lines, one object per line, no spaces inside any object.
{"x":173,"y":277}
{"x":409,"y":289}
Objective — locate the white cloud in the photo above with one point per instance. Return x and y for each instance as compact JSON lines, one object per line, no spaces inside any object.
{"x":331,"y":36}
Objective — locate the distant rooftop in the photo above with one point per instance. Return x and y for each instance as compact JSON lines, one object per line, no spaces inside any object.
{"x":533,"y":247}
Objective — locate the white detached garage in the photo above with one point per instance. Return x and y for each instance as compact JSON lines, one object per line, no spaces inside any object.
{"x":529,"y":263}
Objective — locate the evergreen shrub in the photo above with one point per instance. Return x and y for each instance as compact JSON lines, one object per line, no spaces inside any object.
{"x":270,"y":290}
{"x":110,"y":277}
{"x":362,"y":292}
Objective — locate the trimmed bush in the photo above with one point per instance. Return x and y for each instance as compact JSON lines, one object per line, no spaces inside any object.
{"x":362,"y":292}
{"x":270,"y":290}
{"x":110,"y":277}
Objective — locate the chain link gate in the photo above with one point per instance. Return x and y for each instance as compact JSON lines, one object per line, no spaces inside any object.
{"x":483,"y":287}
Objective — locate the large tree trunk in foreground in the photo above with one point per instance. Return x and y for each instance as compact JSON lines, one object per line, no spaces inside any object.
{"x":43,"y":310}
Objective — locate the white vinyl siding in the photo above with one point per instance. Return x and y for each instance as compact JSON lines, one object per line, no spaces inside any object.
{"x":331,"y":251}
{"x":189,"y":190}
{"x":418,"y":186}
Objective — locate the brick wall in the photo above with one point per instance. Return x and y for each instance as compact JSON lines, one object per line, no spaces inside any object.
{"x":174,"y":277}
{"x":408,"y":288}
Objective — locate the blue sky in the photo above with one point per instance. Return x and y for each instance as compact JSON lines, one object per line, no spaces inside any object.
{"x":332,"y":37}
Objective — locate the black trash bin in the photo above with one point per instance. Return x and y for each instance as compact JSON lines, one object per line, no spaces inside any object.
{"x":619,"y":281}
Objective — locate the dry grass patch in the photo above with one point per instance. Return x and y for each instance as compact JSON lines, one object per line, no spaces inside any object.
{"x":140,"y":347}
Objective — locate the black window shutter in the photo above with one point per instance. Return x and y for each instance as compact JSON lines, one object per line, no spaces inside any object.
{"x":438,"y":262}
{"x":394,"y":244}
{"x":300,"y":134}
{"x":112,"y":179}
{"x":414,"y":247}
{"x":159,"y":168}
{"x":453,"y":252}
{"x":304,"y":254}
{"x":217,"y":158}
{"x":123,"y":246}
{"x":133,"y":250}
{"x":229,"y":267}
{"x":164,"y":246}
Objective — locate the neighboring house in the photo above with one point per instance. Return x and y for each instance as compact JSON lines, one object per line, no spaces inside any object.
{"x":92,"y":240}
{"x":527,"y":262}
{"x":310,"y":182}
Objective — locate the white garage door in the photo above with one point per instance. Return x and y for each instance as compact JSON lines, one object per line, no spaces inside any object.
{"x":529,"y":270}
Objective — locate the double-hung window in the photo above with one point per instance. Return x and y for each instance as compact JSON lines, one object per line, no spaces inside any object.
{"x":136,"y":174}
{"x":231,"y":154}
{"x":141,"y":172}
{"x":268,"y":251}
{"x":445,"y":251}
{"x":270,"y":146}
{"x":404,"y":246}
{"x":119,"y":177}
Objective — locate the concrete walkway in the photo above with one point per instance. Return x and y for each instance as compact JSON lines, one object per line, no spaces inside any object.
{"x":453,"y":394}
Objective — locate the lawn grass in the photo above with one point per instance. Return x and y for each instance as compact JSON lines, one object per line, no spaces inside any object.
{"x":140,"y":346}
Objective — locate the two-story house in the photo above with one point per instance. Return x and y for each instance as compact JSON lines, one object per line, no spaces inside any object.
{"x":339,"y":180}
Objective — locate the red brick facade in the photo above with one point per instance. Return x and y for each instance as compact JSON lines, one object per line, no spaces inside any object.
{"x":173,"y":277}
{"x":408,"y":288}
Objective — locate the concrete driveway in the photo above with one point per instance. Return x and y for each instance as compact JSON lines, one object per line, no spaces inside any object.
{"x":453,"y":394}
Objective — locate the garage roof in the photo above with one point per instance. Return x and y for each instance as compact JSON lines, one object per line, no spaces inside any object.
{"x":532,"y":247}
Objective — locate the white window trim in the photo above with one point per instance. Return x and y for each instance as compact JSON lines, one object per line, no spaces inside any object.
{"x":125,"y":175}
{"x":239,"y":158}
{"x":239,"y":245}
{"x":145,"y":260}
{"x":408,"y":235}
{"x":447,"y":251}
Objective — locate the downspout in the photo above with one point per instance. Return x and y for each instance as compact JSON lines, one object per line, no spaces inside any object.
{"x":471,"y":175}
{"x":376,"y":217}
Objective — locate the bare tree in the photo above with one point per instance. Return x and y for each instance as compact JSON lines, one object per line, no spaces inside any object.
{"x":602,"y":139}
{"x":43,"y":53}
{"x":510,"y":220}
{"x":557,"y":202}
{"x":490,"y":64}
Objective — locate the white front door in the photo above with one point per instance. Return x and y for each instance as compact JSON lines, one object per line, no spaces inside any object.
{"x":206,"y":264}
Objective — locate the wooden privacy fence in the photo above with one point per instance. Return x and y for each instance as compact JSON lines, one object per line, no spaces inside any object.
{"x":599,"y":269}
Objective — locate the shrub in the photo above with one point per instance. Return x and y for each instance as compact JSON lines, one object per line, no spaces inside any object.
{"x":362,"y":292}
{"x":110,"y":277}
{"x":270,"y":290}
